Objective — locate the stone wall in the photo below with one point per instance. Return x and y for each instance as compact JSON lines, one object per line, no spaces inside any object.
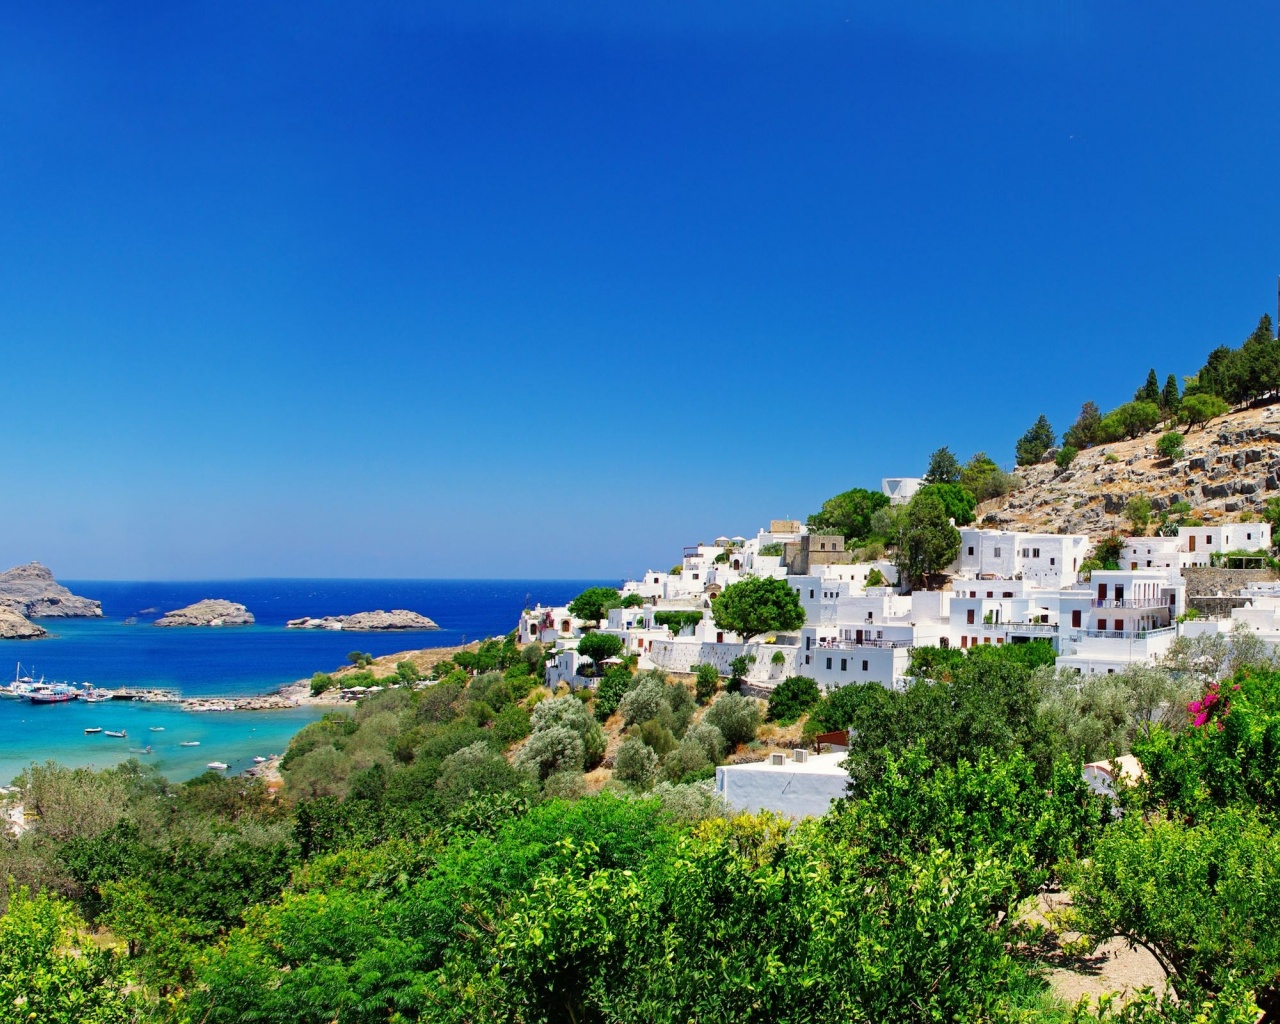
{"x":1206,"y":581}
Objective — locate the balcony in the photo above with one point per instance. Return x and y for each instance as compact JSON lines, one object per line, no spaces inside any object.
{"x":1038,"y":628}
{"x":1131,"y":602}
{"x":853,"y":645}
{"x":1123,"y":634}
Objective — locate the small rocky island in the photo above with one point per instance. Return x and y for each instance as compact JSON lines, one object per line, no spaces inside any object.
{"x":367,"y":621}
{"x":31,"y":591}
{"x":210,"y":612}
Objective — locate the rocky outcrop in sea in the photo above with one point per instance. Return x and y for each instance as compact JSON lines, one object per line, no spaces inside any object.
{"x":367,"y":621}
{"x":14,"y":626}
{"x":32,"y":592}
{"x":210,"y":612}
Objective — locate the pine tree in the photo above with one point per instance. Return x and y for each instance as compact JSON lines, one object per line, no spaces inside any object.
{"x":1169,"y":398}
{"x":1035,"y":442}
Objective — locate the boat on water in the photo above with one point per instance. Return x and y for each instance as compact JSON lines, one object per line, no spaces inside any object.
{"x":156,"y":728}
{"x":189,"y":743}
{"x":53,"y":695}
{"x":259,"y":760}
{"x":93,"y":729}
{"x":141,"y":750}
{"x":218,"y":766}
{"x":96,"y":697}
{"x":118,"y":735}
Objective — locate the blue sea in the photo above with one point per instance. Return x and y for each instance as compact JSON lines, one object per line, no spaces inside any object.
{"x":227,"y":661}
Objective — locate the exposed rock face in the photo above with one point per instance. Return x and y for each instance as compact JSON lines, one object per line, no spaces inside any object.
{"x":1233,"y":466}
{"x":210,"y":612}
{"x":14,"y":627}
{"x":30,"y":590}
{"x":379,"y":620}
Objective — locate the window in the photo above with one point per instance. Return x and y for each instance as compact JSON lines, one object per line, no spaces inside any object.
{"x":806,"y":659}
{"x":808,"y":643}
{"x":811,"y":595}
{"x":844,"y":664}
{"x":969,"y":617}
{"x":828,"y":663}
{"x":990,"y":594}
{"x":1026,"y":552}
{"x":970,"y":550}
{"x":997,"y":552}
{"x":695,"y":575}
{"x":1035,"y":552}
{"x":1248,"y":536}
{"x":1007,"y":593}
{"x":1053,"y":561}
{"x":973,"y":593}
{"x":864,"y":666}
{"x":1075,"y":618}
{"x":964,"y":642}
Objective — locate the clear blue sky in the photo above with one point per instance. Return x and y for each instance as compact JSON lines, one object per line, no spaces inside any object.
{"x":542,"y":289}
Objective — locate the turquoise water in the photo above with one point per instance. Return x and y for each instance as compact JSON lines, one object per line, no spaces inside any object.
{"x":229,"y":661}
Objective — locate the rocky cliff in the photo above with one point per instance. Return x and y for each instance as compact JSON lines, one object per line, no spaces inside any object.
{"x":31,"y":591}
{"x":210,"y":612}
{"x":1232,"y":467}
{"x":13,"y":626}
{"x":379,"y":620}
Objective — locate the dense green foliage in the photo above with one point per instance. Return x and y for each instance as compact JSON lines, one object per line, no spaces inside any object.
{"x":928,"y":542}
{"x":758,"y":604}
{"x":593,"y":604}
{"x":1038,"y":439}
{"x":599,"y":646}
{"x":445,"y":879}
{"x":944,"y":467}
{"x":957,"y":502}
{"x":792,"y":697}
{"x":849,"y":513}
{"x":677,"y":621}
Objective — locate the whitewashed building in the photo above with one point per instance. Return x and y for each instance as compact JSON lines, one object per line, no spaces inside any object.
{"x":803,"y":785}
{"x":1199,"y":543}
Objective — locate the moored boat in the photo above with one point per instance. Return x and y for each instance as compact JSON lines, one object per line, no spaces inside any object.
{"x":189,"y":743}
{"x":156,"y":728}
{"x":93,"y":729}
{"x":259,"y":760}
{"x":218,"y":766}
{"x":118,"y":735}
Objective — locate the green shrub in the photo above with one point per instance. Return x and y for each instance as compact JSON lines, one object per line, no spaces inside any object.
{"x":615,"y":684}
{"x":548,"y":751}
{"x":707,"y":682}
{"x":635,"y":763}
{"x":737,"y":717}
{"x":1066,"y":455}
{"x":599,"y":646}
{"x":791,"y":698}
{"x":1170,"y":445}
{"x":320,"y":682}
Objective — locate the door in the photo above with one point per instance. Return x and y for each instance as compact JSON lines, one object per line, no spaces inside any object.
{"x":1075,"y":618}
{"x":1191,"y":542}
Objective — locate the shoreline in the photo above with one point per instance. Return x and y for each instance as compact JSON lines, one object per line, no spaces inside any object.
{"x":298,"y":693}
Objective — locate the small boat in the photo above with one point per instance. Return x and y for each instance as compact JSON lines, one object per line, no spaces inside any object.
{"x":259,"y":760}
{"x":118,"y":735}
{"x":96,"y":728}
{"x":189,"y":743}
{"x":218,"y":766}
{"x":156,"y":728}
{"x":96,"y":697}
{"x":141,"y":750}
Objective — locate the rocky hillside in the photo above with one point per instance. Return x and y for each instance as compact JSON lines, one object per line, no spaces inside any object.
{"x":1230,"y":467}
{"x":31,"y":591}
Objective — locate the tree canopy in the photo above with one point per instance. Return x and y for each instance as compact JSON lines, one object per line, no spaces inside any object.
{"x":944,"y":467}
{"x":849,"y":513}
{"x":758,"y":604}
{"x":928,"y":543}
{"x":1038,"y":439}
{"x":593,"y":604}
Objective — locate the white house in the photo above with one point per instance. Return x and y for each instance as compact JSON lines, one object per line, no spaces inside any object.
{"x":1200,"y":542}
{"x":1152,"y":553}
{"x":548,"y":625}
{"x":1131,"y":619}
{"x":1048,"y":559}
{"x":801,"y":786}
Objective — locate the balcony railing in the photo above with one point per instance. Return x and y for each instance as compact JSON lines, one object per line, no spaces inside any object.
{"x":1124,"y":634}
{"x":851,"y":645}
{"x":1131,"y":602}
{"x":1042,"y":628}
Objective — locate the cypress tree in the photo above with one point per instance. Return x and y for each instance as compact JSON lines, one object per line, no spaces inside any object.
{"x":1150,"y":391}
{"x":1169,"y":398}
